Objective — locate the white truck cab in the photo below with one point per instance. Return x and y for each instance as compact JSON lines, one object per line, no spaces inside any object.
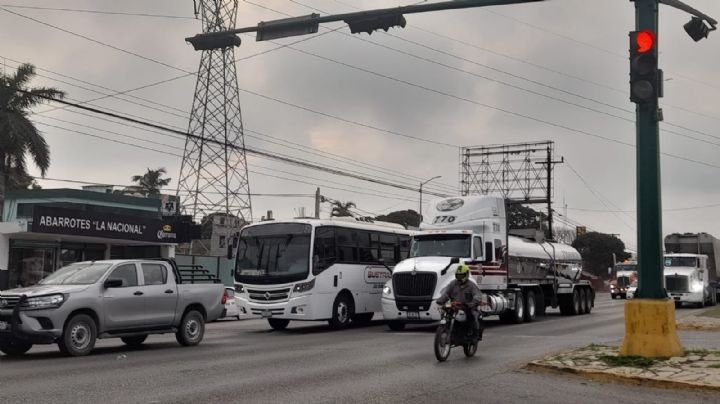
{"x":687,"y":279}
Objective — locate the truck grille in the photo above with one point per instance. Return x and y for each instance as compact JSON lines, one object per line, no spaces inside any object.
{"x":677,"y":283}
{"x":417,"y":284}
{"x":269,"y":296}
{"x":8,"y":302}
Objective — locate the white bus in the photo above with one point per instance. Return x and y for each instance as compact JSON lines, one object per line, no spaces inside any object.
{"x":314,"y":269}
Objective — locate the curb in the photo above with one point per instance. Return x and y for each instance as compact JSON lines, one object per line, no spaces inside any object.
{"x":603,"y":376}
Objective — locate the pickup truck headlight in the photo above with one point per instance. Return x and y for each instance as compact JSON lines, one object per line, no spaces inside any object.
{"x":304,"y":287}
{"x":387,"y":290}
{"x":43,"y":302}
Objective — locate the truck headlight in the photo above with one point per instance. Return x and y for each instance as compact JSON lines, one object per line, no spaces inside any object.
{"x":387,"y":291}
{"x":304,"y":287}
{"x":43,"y":302}
{"x":696,"y":287}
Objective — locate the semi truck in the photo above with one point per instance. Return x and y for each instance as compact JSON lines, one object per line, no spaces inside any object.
{"x":691,"y":268}
{"x":519,"y":277}
{"x":625,"y":275}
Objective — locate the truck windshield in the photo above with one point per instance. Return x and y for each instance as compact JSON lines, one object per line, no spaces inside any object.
{"x":273,"y":253}
{"x":76,"y":274}
{"x":681,"y":262}
{"x":625,"y":267}
{"x":623,"y":281}
{"x":440,"y":245}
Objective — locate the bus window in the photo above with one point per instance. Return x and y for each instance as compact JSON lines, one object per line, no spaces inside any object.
{"x":324,"y":251}
{"x":404,"y":247}
{"x":365,"y":253}
{"x":375,"y":246}
{"x":346,"y":242}
{"x":387,"y":247}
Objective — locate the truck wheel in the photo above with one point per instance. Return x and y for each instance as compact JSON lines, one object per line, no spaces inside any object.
{"x":79,"y":336}
{"x":589,"y":303}
{"x":530,"y":306}
{"x":678,"y":305}
{"x":14,"y":347}
{"x":576,"y":303}
{"x":613,"y":296}
{"x":342,"y":313}
{"x":363,"y":318}
{"x":396,"y":325}
{"x":192,"y":329}
{"x":583,"y":301}
{"x":278,"y":324}
{"x":565,"y":304}
{"x":134,"y":341}
{"x":517,"y":315}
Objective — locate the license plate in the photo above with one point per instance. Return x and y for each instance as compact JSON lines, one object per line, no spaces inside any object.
{"x":4,"y":326}
{"x":413,"y":315}
{"x":266,"y":313}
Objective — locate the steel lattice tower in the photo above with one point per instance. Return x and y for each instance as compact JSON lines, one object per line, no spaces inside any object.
{"x":214,"y":177}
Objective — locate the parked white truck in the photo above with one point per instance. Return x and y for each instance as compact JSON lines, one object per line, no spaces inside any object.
{"x":518,"y":276}
{"x":691,"y":268}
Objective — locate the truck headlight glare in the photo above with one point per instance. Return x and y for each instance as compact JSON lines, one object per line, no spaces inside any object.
{"x":696,"y":287}
{"x":387,"y":291}
{"x":43,"y":302}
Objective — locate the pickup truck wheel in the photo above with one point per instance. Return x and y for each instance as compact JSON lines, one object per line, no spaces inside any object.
{"x":134,"y":341}
{"x":79,"y":336}
{"x":14,"y":347}
{"x":278,"y":324}
{"x":192,"y":329}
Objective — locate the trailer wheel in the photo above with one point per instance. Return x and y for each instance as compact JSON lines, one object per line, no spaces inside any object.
{"x":583,"y":301}
{"x":530,"y":306}
{"x":576,"y":302}
{"x":589,"y":301}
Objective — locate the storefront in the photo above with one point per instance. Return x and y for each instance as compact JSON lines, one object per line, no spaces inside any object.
{"x":44,"y":230}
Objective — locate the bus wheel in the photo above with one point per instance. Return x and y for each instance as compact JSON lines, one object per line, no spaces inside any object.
{"x":342,"y":312}
{"x":278,"y":324}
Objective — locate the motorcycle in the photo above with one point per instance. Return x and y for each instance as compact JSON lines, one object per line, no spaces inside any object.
{"x":455,"y":329}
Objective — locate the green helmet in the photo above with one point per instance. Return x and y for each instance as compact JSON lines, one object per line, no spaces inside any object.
{"x":462,"y":273}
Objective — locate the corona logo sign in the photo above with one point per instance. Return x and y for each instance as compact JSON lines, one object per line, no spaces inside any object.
{"x":167,"y":228}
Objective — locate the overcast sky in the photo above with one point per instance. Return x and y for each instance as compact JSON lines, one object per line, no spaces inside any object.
{"x":575,"y":46}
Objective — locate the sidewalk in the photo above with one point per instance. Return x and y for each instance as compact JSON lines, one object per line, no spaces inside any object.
{"x":697,"y":369}
{"x":708,"y":320}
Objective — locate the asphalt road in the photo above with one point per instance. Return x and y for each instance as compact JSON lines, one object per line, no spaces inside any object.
{"x":246,"y":362}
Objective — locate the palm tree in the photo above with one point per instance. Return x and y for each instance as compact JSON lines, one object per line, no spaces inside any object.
{"x":342,"y":209}
{"x":19,"y":138}
{"x":150,"y":182}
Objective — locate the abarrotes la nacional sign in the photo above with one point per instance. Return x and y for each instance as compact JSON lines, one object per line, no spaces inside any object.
{"x":105,"y":225}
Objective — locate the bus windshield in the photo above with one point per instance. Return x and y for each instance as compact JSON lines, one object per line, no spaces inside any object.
{"x":440,"y":245}
{"x":273,"y":253}
{"x":681,"y":262}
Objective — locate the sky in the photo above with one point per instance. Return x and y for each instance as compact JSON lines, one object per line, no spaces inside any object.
{"x":554,"y":70}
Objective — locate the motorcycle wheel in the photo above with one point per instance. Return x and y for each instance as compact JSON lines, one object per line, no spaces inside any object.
{"x":442,"y":343}
{"x":470,"y":348}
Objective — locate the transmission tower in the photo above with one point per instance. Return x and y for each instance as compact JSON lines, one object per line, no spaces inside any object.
{"x":213,"y":176}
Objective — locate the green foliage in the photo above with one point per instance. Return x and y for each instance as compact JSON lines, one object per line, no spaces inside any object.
{"x":628,"y":361}
{"x":523,"y":217}
{"x":150,"y":183}
{"x":403,"y":217}
{"x":597,"y":252}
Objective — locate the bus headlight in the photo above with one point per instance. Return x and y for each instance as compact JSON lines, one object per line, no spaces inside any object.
{"x":304,"y":287}
{"x":387,"y":291}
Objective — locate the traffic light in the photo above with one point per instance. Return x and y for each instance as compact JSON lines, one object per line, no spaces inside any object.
{"x":211,"y":41}
{"x":370,"y":24}
{"x":697,"y":29}
{"x":645,"y":77}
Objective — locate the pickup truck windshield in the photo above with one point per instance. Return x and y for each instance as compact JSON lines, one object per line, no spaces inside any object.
{"x":76,"y":274}
{"x":273,"y":253}
{"x":681,"y":262}
{"x":441,"y":245}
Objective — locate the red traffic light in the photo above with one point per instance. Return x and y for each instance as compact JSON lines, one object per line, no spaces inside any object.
{"x":645,"y":41}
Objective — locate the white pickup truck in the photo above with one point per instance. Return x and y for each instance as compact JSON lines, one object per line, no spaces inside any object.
{"x":127,"y":299}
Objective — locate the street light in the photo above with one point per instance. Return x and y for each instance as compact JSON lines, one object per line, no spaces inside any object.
{"x":421,"y":185}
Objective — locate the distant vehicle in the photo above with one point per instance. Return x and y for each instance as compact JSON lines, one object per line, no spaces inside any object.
{"x":625,"y":274}
{"x":313,"y":269}
{"x":231,"y":309}
{"x":127,"y":299}
{"x":631,"y":289}
{"x":691,"y":268}
{"x":520,"y":277}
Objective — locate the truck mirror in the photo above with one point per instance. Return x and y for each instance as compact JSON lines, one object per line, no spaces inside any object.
{"x":609,"y":270}
{"x":113,"y":283}
{"x":454,"y":260}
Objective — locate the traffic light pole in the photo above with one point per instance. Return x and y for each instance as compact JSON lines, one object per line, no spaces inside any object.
{"x":650,"y":318}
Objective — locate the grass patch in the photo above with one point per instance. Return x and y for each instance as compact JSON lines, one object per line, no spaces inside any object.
{"x":713,"y":312}
{"x":595,"y":347}
{"x":628,"y":361}
{"x":701,"y":352}
{"x":715,"y":366}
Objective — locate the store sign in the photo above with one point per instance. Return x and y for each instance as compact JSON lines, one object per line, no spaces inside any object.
{"x":105,"y":225}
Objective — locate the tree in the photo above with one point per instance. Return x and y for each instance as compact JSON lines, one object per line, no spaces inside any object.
{"x":404,"y":217}
{"x":150,"y":183}
{"x":342,"y":209}
{"x":597,"y":251}
{"x":19,"y":138}
{"x":564,"y":235}
{"x":523,"y":217}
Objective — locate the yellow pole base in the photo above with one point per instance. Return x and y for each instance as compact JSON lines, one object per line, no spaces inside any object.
{"x":650,"y":329}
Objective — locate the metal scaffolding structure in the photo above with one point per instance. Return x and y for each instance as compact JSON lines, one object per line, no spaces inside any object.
{"x":213,"y":176}
{"x":521,"y":172}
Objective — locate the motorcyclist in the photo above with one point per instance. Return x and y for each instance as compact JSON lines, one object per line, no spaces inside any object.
{"x":464,"y":294}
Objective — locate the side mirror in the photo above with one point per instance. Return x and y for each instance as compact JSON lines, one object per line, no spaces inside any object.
{"x":454,"y":260}
{"x":113,"y":283}
{"x":381,"y":261}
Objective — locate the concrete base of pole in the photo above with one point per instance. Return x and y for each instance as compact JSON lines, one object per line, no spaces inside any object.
{"x":650,"y":329}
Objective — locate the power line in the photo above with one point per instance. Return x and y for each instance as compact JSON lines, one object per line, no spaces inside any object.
{"x":76,"y":10}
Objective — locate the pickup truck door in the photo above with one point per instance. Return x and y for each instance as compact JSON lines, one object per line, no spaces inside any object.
{"x":161,"y":294}
{"x":124,"y":306}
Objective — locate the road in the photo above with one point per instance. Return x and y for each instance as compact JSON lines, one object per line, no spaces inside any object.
{"x":247,"y":362}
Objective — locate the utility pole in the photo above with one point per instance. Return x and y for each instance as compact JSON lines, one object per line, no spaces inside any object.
{"x":550,"y":166}
{"x":421,"y":186}
{"x":317,"y":203}
{"x":650,"y":319}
